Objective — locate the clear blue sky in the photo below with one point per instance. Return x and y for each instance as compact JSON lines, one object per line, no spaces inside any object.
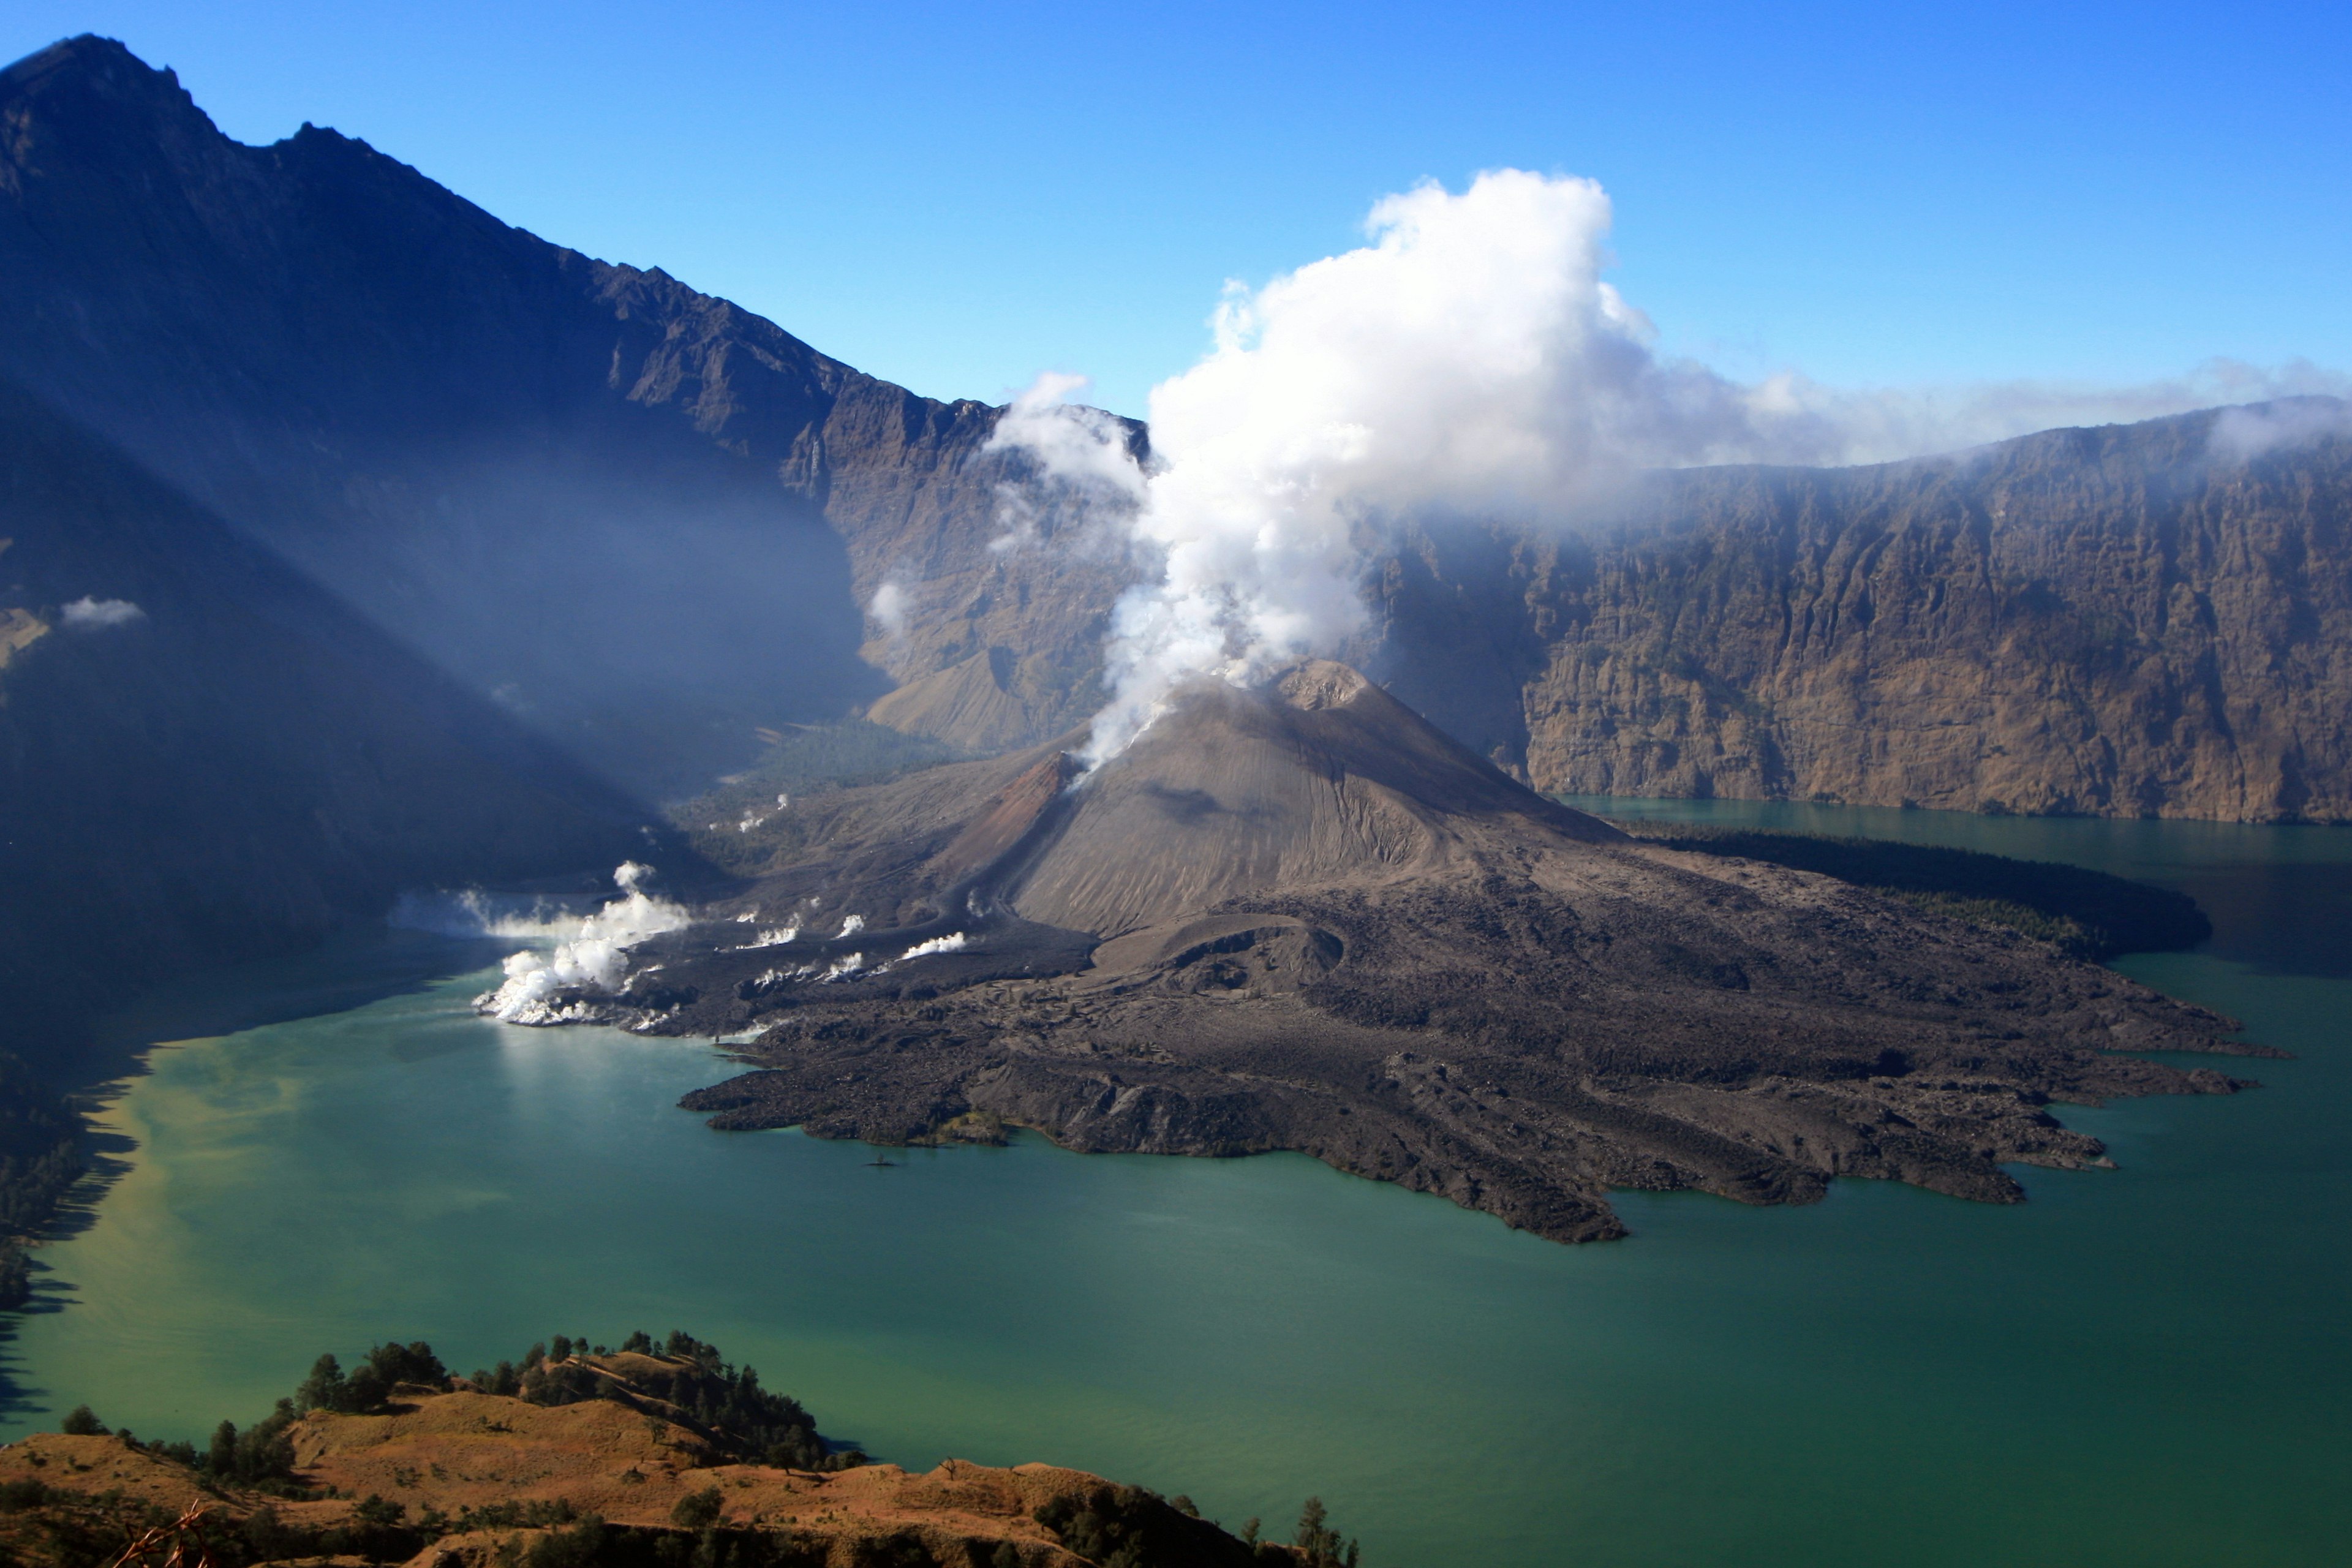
{"x":956,"y":198}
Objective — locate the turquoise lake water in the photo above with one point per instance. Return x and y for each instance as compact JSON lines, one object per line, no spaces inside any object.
{"x":2151,"y":1365}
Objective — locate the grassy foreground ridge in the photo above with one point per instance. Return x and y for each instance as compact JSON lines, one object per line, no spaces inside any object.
{"x":651,"y":1454}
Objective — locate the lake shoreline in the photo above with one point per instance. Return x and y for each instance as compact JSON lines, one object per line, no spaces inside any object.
{"x":1852,"y":1377}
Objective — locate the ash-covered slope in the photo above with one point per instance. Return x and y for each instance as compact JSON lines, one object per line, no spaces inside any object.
{"x":1300,"y":918}
{"x":205,"y":758}
{"x":1324,"y":779}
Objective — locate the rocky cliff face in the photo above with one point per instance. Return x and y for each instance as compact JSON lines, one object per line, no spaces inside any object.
{"x":2146,"y":620}
{"x":2140,"y":621}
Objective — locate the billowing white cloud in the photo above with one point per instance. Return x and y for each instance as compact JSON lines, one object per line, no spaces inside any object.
{"x":2243,"y":433}
{"x":1469,"y":363}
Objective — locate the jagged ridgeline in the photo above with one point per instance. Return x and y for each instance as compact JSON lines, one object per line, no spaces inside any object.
{"x":650,"y":1455}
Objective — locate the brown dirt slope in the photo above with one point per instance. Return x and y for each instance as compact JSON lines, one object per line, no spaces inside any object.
{"x":463,"y":1471}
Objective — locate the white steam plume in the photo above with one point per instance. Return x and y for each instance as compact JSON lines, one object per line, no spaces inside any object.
{"x":954,"y":942}
{"x":595,"y":959}
{"x":1084,"y":475}
{"x":888,"y":610}
{"x":1470,"y":362}
{"x":1081,"y":445}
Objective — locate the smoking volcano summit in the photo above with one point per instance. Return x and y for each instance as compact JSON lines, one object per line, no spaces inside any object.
{"x":1300,"y":917}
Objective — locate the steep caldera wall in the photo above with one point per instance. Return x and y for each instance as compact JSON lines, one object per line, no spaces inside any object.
{"x":2138,"y":620}
{"x":2143,"y":620}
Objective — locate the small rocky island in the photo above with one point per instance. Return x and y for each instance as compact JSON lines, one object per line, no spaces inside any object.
{"x":1300,"y":917}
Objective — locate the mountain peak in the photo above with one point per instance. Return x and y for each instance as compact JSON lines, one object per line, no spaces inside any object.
{"x":103,"y":67}
{"x":1318,"y":777}
{"x":88,"y":100}
{"x":1319,"y":683}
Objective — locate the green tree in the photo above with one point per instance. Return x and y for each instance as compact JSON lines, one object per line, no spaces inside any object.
{"x":266,"y":1538}
{"x":502,"y":1379}
{"x":697,"y":1511}
{"x":324,"y":1389}
{"x":363,"y":1390}
{"x":1320,"y":1542}
{"x":413,"y":1362}
{"x":82,"y":1422}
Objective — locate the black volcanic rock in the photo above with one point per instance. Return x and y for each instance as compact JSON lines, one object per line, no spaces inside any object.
{"x":1301,"y":917}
